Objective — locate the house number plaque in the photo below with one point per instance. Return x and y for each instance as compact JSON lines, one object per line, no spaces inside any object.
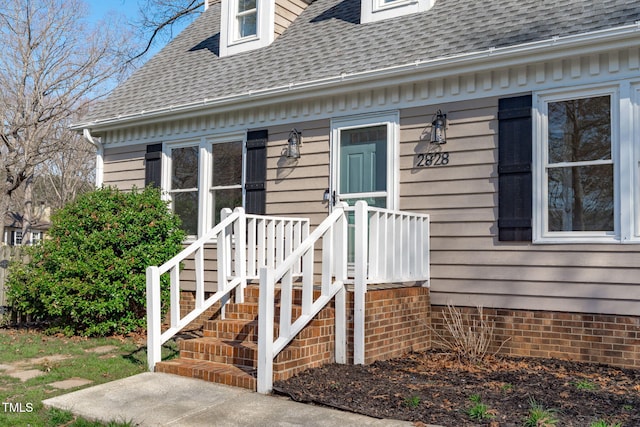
{"x":427,"y":160}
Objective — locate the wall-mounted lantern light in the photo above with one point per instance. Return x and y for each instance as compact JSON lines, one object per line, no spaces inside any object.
{"x":293,"y":144}
{"x":438,"y":128}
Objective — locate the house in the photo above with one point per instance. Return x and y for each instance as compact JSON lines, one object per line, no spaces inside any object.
{"x":514,"y":125}
{"x":13,"y":228}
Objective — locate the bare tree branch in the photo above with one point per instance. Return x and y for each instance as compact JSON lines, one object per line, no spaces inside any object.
{"x":52,"y":65}
{"x":159,"y":16}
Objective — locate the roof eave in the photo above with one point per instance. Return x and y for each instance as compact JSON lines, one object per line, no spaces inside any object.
{"x":474,"y":61}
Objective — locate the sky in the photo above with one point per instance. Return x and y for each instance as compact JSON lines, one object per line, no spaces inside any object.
{"x":98,"y":9}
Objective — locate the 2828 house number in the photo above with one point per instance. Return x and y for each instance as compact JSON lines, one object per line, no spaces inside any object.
{"x":433,"y":159}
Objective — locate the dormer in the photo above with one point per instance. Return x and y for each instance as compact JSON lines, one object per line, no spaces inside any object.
{"x":251,"y":24}
{"x":378,"y":10}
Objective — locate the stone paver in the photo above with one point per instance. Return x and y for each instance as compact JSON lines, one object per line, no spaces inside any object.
{"x":102,"y":349}
{"x":70,"y":383}
{"x":26,"y":375}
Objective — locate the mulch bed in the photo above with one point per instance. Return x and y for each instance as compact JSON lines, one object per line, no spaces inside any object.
{"x":435,"y":388}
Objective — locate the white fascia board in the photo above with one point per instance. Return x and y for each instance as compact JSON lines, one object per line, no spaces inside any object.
{"x":492,"y":58}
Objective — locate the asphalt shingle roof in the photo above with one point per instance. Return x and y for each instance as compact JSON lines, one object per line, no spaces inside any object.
{"x":328,"y":39}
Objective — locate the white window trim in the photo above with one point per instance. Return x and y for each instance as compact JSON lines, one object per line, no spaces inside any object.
{"x":206,"y":203}
{"x":633,"y":129}
{"x":378,"y":10}
{"x":230,"y":44}
{"x":389,"y":118}
{"x":625,"y":141}
{"x":205,"y":159}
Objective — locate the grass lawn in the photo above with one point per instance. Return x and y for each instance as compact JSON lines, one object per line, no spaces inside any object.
{"x":98,"y":360}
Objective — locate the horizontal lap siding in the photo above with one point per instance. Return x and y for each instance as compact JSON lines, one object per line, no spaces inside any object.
{"x":469,"y":265}
{"x":296,"y":187}
{"x":124,"y":167}
{"x":286,"y":12}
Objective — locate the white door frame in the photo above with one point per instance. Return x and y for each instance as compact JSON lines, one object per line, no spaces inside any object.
{"x":389,"y":118}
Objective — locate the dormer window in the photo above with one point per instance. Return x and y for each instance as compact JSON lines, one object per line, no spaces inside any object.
{"x":246,"y":19}
{"x":246,"y":25}
{"x":378,"y":10}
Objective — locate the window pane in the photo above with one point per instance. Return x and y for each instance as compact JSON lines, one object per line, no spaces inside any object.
{"x":244,"y":5}
{"x":247,"y":25}
{"x":185,"y":205}
{"x":363,"y":160}
{"x":227,"y":198}
{"x":184,"y":163}
{"x":227,"y":164}
{"x":580,"y":130}
{"x":581,"y":198}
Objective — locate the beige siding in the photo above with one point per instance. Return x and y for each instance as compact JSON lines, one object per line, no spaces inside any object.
{"x":124,"y":167}
{"x":296,"y":187}
{"x":469,"y":265}
{"x":286,"y":12}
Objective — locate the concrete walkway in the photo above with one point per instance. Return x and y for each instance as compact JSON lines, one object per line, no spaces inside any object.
{"x":154,"y":399}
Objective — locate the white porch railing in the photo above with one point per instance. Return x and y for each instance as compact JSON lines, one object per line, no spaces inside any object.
{"x":332,"y":232}
{"x":243,"y":243}
{"x":390,"y":247}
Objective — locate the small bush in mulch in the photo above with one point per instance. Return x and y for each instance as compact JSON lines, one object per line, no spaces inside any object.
{"x":498,"y":392}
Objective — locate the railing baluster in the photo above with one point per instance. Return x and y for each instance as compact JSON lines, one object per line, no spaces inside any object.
{"x":271,"y":244}
{"x":279,"y":249}
{"x":174,"y":299}
{"x":286,"y":303}
{"x":327,"y":261}
{"x":251,"y":247}
{"x":307,"y":280}
{"x":199,"y":267}
{"x":261,"y":246}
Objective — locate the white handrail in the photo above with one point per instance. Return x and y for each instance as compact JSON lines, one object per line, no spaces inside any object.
{"x":333,"y":233}
{"x":235,"y":265}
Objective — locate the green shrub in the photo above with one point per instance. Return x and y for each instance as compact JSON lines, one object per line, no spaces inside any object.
{"x":88,"y":277}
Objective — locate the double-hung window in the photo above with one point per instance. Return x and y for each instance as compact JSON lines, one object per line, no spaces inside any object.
{"x":585,"y":165}
{"x":246,"y":22}
{"x":226,"y":177}
{"x":246,"y":25}
{"x":184,"y":186}
{"x":204,"y":177}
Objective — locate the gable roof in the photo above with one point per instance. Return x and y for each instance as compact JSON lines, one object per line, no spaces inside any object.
{"x":327,"y":40}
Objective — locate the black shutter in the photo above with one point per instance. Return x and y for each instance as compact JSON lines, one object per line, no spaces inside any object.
{"x":153,"y":165}
{"x":256,"y":172}
{"x":514,"y":168}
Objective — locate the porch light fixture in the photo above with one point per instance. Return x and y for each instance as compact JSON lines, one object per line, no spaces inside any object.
{"x":293,"y":144}
{"x":438,"y":128}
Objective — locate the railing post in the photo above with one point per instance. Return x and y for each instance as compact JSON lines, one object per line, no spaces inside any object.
{"x":265,"y":331}
{"x":341,"y":236}
{"x":223,"y":250}
{"x":360,"y":280}
{"x":154,"y":322}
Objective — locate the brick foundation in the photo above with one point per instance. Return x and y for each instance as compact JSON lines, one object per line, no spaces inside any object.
{"x":396,"y":323}
{"x":608,"y":339}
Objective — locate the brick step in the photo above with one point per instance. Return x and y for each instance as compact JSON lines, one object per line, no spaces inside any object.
{"x":249,"y":311}
{"x":252,"y":294}
{"x":244,"y":330}
{"x":238,"y":353}
{"x":210,"y":371}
